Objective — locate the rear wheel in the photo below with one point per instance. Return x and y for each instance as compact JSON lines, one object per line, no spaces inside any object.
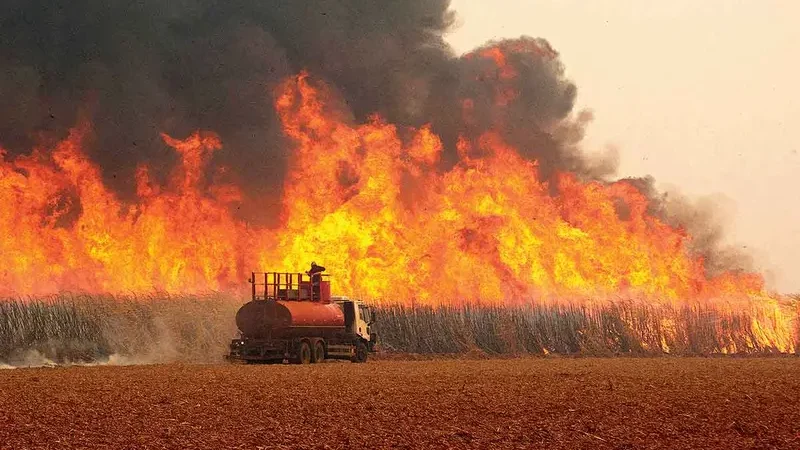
{"x":303,"y":354}
{"x":318,"y":355}
{"x":361,"y":353}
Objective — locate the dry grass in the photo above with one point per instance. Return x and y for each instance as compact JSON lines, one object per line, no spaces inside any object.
{"x":627,"y":328}
{"x":154,"y":328}
{"x":163,"y":328}
{"x":619,"y":403}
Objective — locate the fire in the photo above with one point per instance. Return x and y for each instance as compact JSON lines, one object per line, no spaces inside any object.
{"x":486,"y":229}
{"x":370,"y":201}
{"x":181,"y":237}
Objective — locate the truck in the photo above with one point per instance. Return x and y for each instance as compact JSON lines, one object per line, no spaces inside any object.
{"x":293,"y":317}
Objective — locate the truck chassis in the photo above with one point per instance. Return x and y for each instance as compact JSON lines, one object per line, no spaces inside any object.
{"x":301,"y":350}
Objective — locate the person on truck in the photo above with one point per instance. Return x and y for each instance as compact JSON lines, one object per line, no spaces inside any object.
{"x":316,"y":278}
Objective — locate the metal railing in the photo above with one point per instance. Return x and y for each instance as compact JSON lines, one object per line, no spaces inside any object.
{"x":286,"y":285}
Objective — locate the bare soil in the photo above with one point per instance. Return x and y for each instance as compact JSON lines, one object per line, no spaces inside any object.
{"x":512,"y":403}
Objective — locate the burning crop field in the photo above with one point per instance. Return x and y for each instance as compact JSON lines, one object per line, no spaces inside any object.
{"x":154,"y":154}
{"x":420,"y":179}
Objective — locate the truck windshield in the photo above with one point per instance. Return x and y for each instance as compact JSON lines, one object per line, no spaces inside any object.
{"x":366,"y":314}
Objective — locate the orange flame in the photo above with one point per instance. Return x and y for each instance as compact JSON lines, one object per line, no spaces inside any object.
{"x":181,"y":237}
{"x":486,"y":229}
{"x":369,"y":201}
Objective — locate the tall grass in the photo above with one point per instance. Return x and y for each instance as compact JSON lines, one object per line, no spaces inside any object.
{"x":161,"y":328}
{"x":612,"y":329}
{"x":152,"y":328}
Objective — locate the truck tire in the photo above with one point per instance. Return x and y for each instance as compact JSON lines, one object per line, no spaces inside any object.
{"x":318,"y":355}
{"x":303,"y":354}
{"x":361,"y":353}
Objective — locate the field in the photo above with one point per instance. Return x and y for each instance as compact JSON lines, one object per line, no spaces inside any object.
{"x":608,"y":403}
{"x":145,"y":372}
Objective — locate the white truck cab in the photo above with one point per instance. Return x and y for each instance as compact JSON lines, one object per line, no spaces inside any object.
{"x":358,"y":318}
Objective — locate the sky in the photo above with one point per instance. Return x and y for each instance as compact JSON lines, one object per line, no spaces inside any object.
{"x":703,"y":96}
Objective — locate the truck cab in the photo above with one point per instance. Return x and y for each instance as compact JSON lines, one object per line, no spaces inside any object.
{"x":358,"y":319}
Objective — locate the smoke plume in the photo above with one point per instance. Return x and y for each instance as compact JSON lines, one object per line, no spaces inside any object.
{"x":136,"y":69}
{"x":139,"y":68}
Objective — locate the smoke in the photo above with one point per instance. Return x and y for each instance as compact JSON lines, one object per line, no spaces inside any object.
{"x":136,"y":69}
{"x":704,"y":219}
{"x":519,"y":89}
{"x":139,"y":68}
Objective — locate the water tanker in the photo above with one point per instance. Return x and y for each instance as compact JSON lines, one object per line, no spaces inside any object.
{"x":293,"y":317}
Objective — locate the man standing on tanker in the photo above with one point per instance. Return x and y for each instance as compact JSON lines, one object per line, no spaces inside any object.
{"x":316,"y":277}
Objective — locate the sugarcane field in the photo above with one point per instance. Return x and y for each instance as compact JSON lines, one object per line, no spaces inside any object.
{"x":412,"y":224}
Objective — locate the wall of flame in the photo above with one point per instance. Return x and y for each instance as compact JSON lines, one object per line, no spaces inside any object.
{"x":370,"y":201}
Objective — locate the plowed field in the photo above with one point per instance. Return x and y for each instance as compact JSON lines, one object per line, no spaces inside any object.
{"x":519,"y":403}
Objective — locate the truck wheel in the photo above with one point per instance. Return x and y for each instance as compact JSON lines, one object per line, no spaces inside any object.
{"x":361,"y":353}
{"x":303,"y":354}
{"x":318,"y":355}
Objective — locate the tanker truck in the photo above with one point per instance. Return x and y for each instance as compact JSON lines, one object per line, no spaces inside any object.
{"x":292,"y":316}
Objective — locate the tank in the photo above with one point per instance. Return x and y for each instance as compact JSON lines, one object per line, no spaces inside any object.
{"x":279,"y":319}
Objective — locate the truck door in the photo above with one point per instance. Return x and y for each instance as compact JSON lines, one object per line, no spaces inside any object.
{"x":349,"y":309}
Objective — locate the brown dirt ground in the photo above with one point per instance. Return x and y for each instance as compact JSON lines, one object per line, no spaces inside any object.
{"x":512,"y":403}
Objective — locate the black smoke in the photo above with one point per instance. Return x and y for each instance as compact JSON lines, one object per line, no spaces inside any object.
{"x":139,"y":68}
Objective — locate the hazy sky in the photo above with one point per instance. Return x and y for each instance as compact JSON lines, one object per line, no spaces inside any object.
{"x":703,"y":96}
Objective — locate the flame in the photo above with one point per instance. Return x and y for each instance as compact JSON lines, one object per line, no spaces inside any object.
{"x":179,"y":237}
{"x":370,"y":201}
{"x":486,"y":229}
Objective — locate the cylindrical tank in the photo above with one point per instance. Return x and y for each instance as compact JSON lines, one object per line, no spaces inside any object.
{"x":280,"y":319}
